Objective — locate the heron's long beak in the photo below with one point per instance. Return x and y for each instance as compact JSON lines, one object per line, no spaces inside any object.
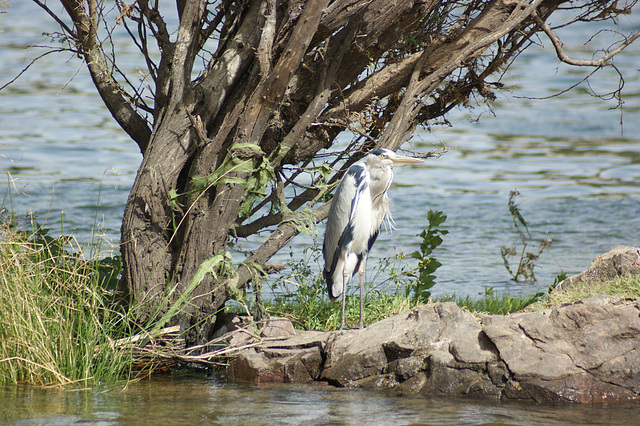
{"x":401,"y":159}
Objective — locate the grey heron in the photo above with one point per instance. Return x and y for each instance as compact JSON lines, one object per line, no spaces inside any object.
{"x":358,"y":209}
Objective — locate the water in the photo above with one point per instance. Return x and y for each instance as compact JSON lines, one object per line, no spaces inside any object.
{"x":576,"y":166}
{"x":190,"y":400}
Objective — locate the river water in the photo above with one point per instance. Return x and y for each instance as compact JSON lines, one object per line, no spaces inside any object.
{"x":574,"y":158}
{"x":200,"y":400}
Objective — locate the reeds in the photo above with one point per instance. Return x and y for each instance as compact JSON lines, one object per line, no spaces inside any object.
{"x":57,"y":323}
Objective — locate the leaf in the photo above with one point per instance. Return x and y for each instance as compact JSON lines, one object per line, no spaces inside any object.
{"x":427,"y":265}
{"x":222,"y":261}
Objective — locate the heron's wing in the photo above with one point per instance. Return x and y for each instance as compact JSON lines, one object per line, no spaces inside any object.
{"x":343,"y":207}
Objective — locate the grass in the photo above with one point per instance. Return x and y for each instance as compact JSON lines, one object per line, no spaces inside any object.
{"x":57,"y":323}
{"x":495,"y":303}
{"x":627,"y":287}
{"x":316,"y":312}
{"x":309,"y":309}
{"x":301,"y":295}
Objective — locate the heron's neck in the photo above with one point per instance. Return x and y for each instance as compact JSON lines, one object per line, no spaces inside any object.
{"x":380,"y":182}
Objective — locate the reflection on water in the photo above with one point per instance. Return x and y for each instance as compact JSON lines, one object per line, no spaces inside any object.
{"x":175,"y":399}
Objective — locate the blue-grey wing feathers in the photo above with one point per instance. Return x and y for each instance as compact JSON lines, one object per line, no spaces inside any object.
{"x":348,"y":236}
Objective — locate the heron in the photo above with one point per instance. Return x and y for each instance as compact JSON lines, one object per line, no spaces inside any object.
{"x":359,"y":208}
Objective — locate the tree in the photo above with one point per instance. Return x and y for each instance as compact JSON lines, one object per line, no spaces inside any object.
{"x":230,"y":150}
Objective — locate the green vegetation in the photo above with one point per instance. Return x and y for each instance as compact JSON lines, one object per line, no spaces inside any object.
{"x":56,"y":321}
{"x":627,"y":287}
{"x":59,"y":323}
{"x":300,"y":295}
{"x":309,"y":309}
{"x":527,"y":259}
{"x":427,"y":265}
{"x":495,"y":303}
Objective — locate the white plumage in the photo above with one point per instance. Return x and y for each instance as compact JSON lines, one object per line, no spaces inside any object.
{"x":358,"y":209}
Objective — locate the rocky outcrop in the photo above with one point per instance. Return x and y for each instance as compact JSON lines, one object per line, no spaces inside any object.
{"x":620,"y":261}
{"x":584,"y":352}
{"x":587,"y":351}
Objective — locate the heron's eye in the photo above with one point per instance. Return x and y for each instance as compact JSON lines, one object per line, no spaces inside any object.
{"x":385,"y":156}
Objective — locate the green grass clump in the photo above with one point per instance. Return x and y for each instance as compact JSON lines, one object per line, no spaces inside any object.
{"x":627,"y":287}
{"x":57,"y":323}
{"x":316,"y":312}
{"x":310,"y":309}
{"x":496,"y":304}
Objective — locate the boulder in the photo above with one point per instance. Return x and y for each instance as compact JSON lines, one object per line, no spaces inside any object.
{"x":278,"y":327}
{"x":297,"y":359}
{"x":620,"y":261}
{"x":583,"y":352}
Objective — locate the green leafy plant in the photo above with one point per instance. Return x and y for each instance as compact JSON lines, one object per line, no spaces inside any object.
{"x":527,"y":258}
{"x":427,"y":264}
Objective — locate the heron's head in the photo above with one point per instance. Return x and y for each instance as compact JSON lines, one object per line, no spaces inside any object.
{"x":385,"y":157}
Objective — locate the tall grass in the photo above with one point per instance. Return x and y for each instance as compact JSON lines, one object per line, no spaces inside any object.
{"x":57,"y":322}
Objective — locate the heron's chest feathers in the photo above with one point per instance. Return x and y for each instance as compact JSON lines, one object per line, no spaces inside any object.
{"x":381,"y":179}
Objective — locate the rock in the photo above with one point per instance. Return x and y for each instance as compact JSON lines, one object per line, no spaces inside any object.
{"x":239,"y":330}
{"x":571,"y":353}
{"x":587,"y":351}
{"x":399,"y":352}
{"x":278,"y":327}
{"x":297,"y":359}
{"x":620,"y":261}
{"x":583,"y":352}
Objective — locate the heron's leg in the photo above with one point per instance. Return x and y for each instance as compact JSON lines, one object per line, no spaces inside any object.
{"x":361,"y":276}
{"x":344,"y":292}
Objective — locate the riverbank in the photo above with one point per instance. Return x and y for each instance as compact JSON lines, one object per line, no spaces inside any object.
{"x":560,"y":350}
{"x":585,"y":351}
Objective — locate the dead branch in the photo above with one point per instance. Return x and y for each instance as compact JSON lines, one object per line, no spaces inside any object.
{"x":557,"y":44}
{"x":166,"y":348}
{"x":31,"y":62}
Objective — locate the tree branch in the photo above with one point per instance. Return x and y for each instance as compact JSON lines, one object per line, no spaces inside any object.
{"x":278,"y":239}
{"x":112,"y":94}
{"x":275,"y":86}
{"x":337,"y":48}
{"x":468,"y":46}
{"x":224,"y":71}
{"x":557,"y":44}
{"x":184,"y":52}
{"x":31,"y":62}
{"x":55,"y":17}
